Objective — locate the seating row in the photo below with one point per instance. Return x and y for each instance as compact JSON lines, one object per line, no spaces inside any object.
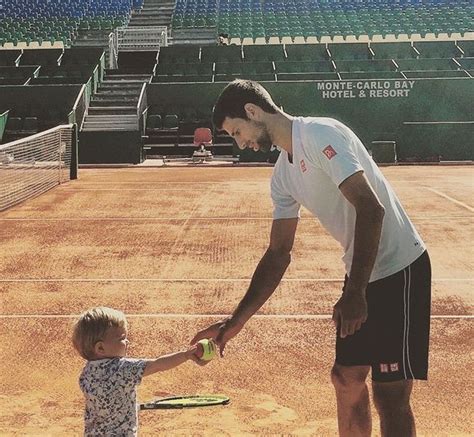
{"x":305,"y":52}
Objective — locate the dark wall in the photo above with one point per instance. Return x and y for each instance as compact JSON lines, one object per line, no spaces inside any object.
{"x":374,"y":109}
{"x":40,"y":100}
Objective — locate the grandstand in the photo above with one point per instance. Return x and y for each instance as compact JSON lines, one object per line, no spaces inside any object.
{"x":139,"y":76}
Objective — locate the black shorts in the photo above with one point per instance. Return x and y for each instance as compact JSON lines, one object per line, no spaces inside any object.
{"x":394,"y":340}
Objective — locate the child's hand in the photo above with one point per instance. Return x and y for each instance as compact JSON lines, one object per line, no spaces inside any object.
{"x":192,"y":352}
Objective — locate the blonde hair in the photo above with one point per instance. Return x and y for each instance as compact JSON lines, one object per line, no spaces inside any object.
{"x":91,"y":328}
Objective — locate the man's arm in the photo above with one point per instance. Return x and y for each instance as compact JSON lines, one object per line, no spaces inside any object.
{"x":270,"y":269}
{"x":351,"y":310}
{"x":264,"y":281}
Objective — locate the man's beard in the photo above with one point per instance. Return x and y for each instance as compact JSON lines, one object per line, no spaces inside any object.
{"x":264,"y":141}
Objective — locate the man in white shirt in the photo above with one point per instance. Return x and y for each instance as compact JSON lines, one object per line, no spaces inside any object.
{"x":324,"y":167}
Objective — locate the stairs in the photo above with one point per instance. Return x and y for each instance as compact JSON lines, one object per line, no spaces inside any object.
{"x":114,"y":106}
{"x":153,"y":13}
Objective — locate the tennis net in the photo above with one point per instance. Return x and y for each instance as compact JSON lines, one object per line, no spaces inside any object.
{"x":32,"y":165}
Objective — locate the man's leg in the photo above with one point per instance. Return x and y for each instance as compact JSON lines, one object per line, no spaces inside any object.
{"x":392,"y":400}
{"x":353,"y":409}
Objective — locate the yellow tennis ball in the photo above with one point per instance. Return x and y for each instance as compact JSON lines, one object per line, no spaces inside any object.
{"x":206,"y":349}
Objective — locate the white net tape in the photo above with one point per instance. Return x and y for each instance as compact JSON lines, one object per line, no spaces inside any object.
{"x":35,"y":164}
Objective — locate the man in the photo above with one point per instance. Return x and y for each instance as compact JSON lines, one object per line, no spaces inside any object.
{"x":383,"y":315}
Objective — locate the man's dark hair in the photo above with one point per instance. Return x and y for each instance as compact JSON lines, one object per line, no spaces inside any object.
{"x":233,"y":98}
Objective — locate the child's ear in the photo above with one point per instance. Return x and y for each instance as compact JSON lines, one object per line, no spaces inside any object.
{"x":99,"y":348}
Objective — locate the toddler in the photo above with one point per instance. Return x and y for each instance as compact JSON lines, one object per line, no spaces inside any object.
{"x":109,"y":379}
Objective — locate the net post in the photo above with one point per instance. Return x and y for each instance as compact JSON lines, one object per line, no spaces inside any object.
{"x":59,"y":155}
{"x":74,"y":152}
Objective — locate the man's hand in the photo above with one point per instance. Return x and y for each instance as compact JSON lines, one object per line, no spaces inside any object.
{"x":349,"y":313}
{"x":221,"y":332}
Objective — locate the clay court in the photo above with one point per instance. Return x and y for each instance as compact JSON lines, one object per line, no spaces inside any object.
{"x":174,"y":248}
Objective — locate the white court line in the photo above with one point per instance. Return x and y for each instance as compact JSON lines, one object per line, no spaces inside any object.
{"x":217,"y":316}
{"x":132,"y":189}
{"x":83,"y":219}
{"x":197,"y":280}
{"x":142,"y":183}
{"x":457,"y":202}
{"x":72,"y":219}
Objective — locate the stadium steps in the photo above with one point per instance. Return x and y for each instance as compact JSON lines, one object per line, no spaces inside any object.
{"x":196,"y":36}
{"x":112,"y":110}
{"x":93,"y":38}
{"x":114,"y":106}
{"x":153,"y":13}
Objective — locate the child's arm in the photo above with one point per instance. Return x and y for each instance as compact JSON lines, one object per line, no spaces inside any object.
{"x":167,"y":362}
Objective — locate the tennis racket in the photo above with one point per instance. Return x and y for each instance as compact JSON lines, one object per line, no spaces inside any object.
{"x":190,"y":401}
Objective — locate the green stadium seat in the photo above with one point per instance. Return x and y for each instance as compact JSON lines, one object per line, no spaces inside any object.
{"x":467,"y":47}
{"x":162,"y":69}
{"x":269,"y":52}
{"x":235,"y":68}
{"x":433,"y":74}
{"x":10,"y":57}
{"x":467,"y":63}
{"x":307,"y":76}
{"x":14,"y":125}
{"x":154,"y":122}
{"x":393,"y":50}
{"x":220,"y":54}
{"x":30,"y":125}
{"x":177,"y":54}
{"x":171,"y":122}
{"x":437,"y":49}
{"x":41,"y":57}
{"x":303,"y":67}
{"x":306,"y":52}
{"x":369,"y":75}
{"x":365,"y":65}
{"x":425,"y":64}
{"x":349,"y":51}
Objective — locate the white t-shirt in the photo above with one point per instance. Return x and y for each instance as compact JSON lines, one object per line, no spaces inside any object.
{"x":325,"y":153}
{"x":110,"y":391}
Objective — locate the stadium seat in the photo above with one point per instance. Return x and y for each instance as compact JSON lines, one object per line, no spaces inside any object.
{"x":303,"y":67}
{"x":177,"y":54}
{"x":58,"y":21}
{"x":437,"y":49}
{"x":10,"y":57}
{"x":154,"y":122}
{"x":393,"y":50}
{"x":365,"y":65}
{"x":466,"y":63}
{"x":256,"y":53}
{"x":425,"y":64}
{"x":43,"y":57}
{"x":371,"y":75}
{"x":221,"y":54}
{"x":306,"y":52}
{"x":349,"y":51}
{"x":434,"y":74}
{"x":202,"y":136}
{"x":171,"y":122}
{"x":307,"y":76}
{"x":467,"y":48}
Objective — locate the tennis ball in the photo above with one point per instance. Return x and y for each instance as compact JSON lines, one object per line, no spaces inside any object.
{"x":206,"y":349}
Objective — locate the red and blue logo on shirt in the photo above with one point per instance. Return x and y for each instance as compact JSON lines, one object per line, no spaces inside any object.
{"x":303,"y":165}
{"x":329,"y":152}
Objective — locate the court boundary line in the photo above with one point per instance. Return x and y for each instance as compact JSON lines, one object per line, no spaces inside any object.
{"x":80,"y":219}
{"x":319,"y":280}
{"x":220,"y":316}
{"x":457,"y":202}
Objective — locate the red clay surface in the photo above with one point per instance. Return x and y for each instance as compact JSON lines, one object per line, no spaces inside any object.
{"x":172,"y":247}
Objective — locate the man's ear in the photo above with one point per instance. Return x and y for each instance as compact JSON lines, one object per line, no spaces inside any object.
{"x":252,"y":111}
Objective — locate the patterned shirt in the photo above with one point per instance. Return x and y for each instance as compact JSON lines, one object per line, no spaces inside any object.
{"x":110,"y":391}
